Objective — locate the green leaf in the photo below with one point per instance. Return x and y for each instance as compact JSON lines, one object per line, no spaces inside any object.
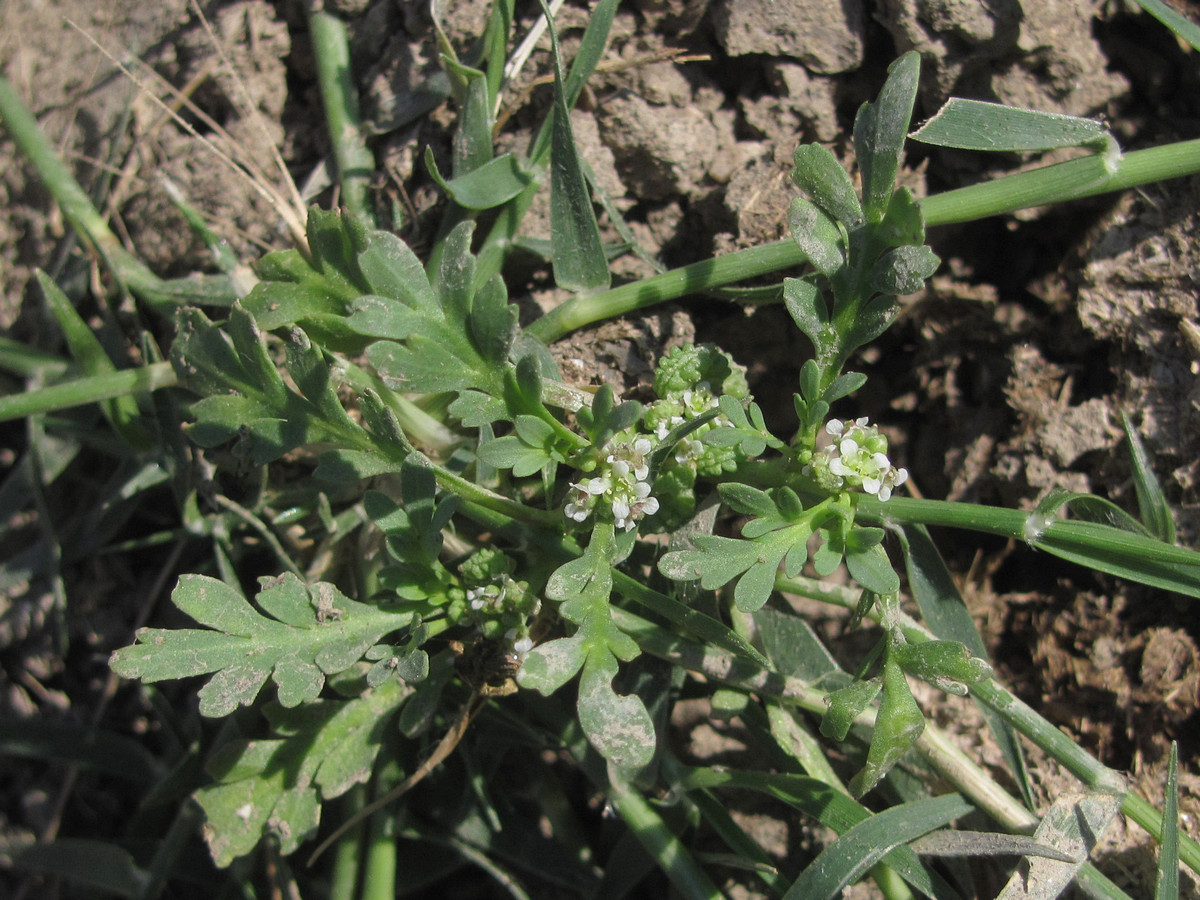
{"x":1180,"y":25}
{"x":1152,"y":505}
{"x":848,"y":858}
{"x":845,"y":705}
{"x":313,"y":632}
{"x":818,"y":236}
{"x":945,"y":613}
{"x":976,"y":125}
{"x":275,"y":787}
{"x":579,"y":261}
{"x":903,"y":270}
{"x":98,"y":865}
{"x":86,"y":349}
{"x":945,"y":664}
{"x":75,"y":744}
{"x":904,"y":222}
{"x":485,"y":187}
{"x":879,"y":132}
{"x":619,"y":726}
{"x":1166,"y":881}
{"x":807,"y":308}
{"x":868,"y":562}
{"x":898,"y":724}
{"x":819,"y":174}
{"x":549,"y":666}
{"x":824,"y":803}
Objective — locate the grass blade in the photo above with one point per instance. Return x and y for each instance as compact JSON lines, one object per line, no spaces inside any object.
{"x":87,"y":390}
{"x":1166,"y":884}
{"x":946,"y":614}
{"x":844,"y":861}
{"x":1073,"y":826}
{"x":1152,"y":505}
{"x":579,"y":261}
{"x":1182,"y":26}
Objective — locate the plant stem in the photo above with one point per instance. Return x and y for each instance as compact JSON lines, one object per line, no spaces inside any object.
{"x":661,"y":843}
{"x":696,"y":278}
{"x":1071,"y":180}
{"x":71,"y":198}
{"x":87,"y":390}
{"x":339,"y":98}
{"x":1024,"y":719}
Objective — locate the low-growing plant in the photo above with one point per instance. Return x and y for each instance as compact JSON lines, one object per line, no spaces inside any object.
{"x":482,"y":529}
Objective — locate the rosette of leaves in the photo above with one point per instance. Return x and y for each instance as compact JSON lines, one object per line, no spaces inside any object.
{"x":864,"y":252}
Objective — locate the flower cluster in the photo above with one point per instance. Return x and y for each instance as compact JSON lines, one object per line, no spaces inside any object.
{"x":622,"y":485}
{"x":856,"y":459}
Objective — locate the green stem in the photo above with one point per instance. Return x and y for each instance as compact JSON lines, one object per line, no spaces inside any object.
{"x":339,"y":98}
{"x":87,"y":390}
{"x":1025,"y":720}
{"x":379,"y":872}
{"x":661,"y":843}
{"x":76,"y":205}
{"x":1071,"y":180}
{"x":696,"y":278}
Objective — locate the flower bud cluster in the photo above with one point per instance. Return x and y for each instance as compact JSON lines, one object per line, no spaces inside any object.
{"x":621,"y":485}
{"x":856,"y":460}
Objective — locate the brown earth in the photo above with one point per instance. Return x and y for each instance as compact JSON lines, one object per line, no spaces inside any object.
{"x":1005,"y":379}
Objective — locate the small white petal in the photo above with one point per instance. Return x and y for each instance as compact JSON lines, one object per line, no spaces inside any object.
{"x":834,"y":427}
{"x":861,"y":423}
{"x":872,"y":485}
{"x":650,"y":506}
{"x":848,"y":446}
{"x":901,"y":476}
{"x":884,"y":493}
{"x":881,"y":460}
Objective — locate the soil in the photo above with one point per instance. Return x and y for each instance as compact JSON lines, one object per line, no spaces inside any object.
{"x":1008,"y":377}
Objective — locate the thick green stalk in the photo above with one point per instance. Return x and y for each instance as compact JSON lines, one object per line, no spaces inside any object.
{"x":1072,"y":180}
{"x":339,"y":97}
{"x":696,"y":278}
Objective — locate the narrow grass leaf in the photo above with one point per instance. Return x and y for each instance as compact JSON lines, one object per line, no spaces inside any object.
{"x":863,"y":845}
{"x":1183,"y":27}
{"x":591,"y":49}
{"x":1073,"y":825}
{"x":1152,"y":505}
{"x":122,"y":411}
{"x":72,"y":744}
{"x":1166,"y":883}
{"x":944,"y":611}
{"x":98,"y":865}
{"x":976,"y":125}
{"x":827,"y":805}
{"x":579,"y":261}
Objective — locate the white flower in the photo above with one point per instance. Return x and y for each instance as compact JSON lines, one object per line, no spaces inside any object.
{"x":857,"y":459}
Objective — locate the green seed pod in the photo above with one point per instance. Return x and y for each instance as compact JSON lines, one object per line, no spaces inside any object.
{"x":898,"y":724}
